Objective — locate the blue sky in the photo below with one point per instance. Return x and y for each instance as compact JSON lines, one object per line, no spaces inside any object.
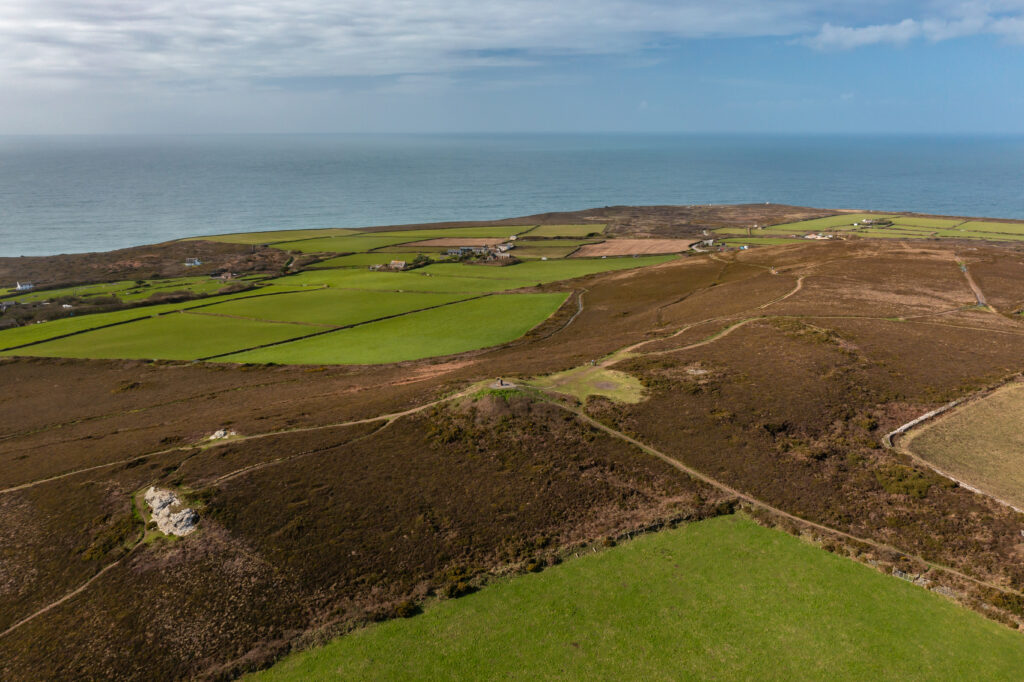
{"x":791,"y":66}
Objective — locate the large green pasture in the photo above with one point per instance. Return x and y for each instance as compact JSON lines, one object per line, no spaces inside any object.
{"x":33,"y":333}
{"x":416,"y":280}
{"x":336,"y":307}
{"x":566,"y":230}
{"x":351,"y":244}
{"x":926,"y":222}
{"x":886,"y":233}
{"x":365,"y":259}
{"x":987,"y":226}
{"x":722,"y":599}
{"x":478,"y":323}
{"x":272,"y":236}
{"x":458,"y":277}
{"x":177,"y":336}
{"x":488,"y":232}
{"x":547,"y":271}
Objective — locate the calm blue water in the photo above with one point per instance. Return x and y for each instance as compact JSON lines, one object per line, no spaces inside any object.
{"x":70,"y":194}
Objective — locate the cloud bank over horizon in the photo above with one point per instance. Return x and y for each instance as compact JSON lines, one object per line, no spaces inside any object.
{"x":75,"y":65}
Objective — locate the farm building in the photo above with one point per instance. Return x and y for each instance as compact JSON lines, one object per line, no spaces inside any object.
{"x":24,"y":286}
{"x":192,"y":262}
{"x":397,"y":265}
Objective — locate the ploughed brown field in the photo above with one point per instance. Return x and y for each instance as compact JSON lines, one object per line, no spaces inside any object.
{"x":632,"y":247}
{"x":352,"y":492}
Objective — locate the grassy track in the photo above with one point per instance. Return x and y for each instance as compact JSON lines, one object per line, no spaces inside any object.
{"x":171,"y":337}
{"x":980,"y":444}
{"x":452,"y":329}
{"x":567,"y":230}
{"x":330,"y":306}
{"x":721,"y":599}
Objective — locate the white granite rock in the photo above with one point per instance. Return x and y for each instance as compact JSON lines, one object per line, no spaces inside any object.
{"x":168,"y":513}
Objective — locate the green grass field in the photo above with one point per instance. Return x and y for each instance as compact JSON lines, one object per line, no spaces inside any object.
{"x":469,"y":325}
{"x":336,"y":307}
{"x":272,"y":236}
{"x":988,"y":226}
{"x":346,"y":244}
{"x":457,"y":277}
{"x":946,"y":223}
{"x":366,"y":259}
{"x":178,"y":336}
{"x":484,"y":232}
{"x":547,"y":271}
{"x":886,"y":233}
{"x":566,"y":230}
{"x":723,"y":599}
{"x":416,"y":280}
{"x":980,"y":443}
{"x":127,"y":290}
{"x":102,"y":289}
{"x":974,"y":234}
{"x":818,"y":224}
{"x":72,"y":325}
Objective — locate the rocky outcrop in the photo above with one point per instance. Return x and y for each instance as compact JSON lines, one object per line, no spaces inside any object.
{"x":170,"y":517}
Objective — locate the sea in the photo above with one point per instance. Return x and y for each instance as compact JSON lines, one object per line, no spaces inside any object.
{"x":67,"y":194}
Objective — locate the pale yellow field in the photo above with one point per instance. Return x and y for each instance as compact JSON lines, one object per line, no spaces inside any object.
{"x":980,"y":444}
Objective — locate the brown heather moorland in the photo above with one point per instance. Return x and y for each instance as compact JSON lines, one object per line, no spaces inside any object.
{"x":351,"y":494}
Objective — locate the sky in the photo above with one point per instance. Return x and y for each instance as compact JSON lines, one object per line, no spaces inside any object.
{"x":253,"y":66}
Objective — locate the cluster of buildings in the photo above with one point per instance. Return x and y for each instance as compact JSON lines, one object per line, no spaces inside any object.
{"x":485,"y":252}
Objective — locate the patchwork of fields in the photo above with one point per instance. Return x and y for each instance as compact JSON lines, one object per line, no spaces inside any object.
{"x":721,"y":599}
{"x":338,"y":312}
{"x":349,"y":497}
{"x":853,"y":225}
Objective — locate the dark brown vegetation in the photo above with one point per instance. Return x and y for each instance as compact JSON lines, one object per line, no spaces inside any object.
{"x":159,"y":261}
{"x":323,"y":524}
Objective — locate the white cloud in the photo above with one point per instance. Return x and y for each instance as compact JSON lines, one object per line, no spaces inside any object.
{"x":845,"y":37}
{"x":950,"y":20}
{"x":183,"y":40}
{"x":119,"y":45}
